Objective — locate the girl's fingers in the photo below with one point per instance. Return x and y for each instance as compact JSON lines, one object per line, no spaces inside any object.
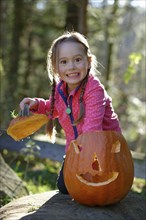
{"x":23,"y":102}
{"x":32,"y":103}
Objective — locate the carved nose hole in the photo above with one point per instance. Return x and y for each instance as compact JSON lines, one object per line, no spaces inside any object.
{"x":80,"y":148}
{"x":95,"y":164}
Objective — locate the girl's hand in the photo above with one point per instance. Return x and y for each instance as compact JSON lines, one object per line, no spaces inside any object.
{"x":32,"y":103}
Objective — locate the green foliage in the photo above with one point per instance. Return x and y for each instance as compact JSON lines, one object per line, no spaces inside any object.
{"x":31,"y":150}
{"x":4,"y":199}
{"x":139,"y":186}
{"x":134,"y":60}
{"x":13,"y":114}
{"x":39,"y":175}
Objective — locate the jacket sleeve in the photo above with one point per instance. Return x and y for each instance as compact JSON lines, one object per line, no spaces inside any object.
{"x":44,"y":107}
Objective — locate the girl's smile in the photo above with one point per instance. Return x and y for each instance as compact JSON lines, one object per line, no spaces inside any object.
{"x":73,"y":63}
{"x":72,"y":74}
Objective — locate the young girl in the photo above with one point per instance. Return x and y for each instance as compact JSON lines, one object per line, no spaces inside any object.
{"x":78,"y":99}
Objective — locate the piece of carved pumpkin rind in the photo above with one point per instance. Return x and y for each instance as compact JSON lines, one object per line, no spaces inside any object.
{"x":23,"y":126}
{"x":98,"y":168}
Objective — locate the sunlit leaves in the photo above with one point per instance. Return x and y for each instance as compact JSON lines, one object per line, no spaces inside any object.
{"x":134,"y":60}
{"x":14,"y":114}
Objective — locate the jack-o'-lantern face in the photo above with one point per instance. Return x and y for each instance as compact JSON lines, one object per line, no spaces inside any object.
{"x":98,"y":164}
{"x":96,"y":176}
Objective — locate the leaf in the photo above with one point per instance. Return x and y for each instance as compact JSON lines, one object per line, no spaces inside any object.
{"x":134,"y":59}
{"x":14,"y":114}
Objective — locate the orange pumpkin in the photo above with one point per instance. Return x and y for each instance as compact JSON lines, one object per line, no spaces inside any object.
{"x":98,"y":168}
{"x":23,"y":126}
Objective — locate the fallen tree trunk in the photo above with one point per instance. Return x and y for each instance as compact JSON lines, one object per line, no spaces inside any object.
{"x":55,"y":206}
{"x":10,"y":184}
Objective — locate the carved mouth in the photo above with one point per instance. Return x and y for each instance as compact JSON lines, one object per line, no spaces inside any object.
{"x":97,"y":180}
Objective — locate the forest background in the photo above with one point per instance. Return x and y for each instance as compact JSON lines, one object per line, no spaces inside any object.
{"x":115,"y":30}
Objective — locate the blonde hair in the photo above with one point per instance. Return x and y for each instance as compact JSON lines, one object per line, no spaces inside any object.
{"x":52,"y":67}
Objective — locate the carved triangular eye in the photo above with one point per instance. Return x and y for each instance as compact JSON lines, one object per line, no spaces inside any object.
{"x":77,"y":147}
{"x":116,"y":147}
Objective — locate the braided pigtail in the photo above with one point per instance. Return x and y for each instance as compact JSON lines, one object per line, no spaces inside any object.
{"x":81,"y":103}
{"x":50,"y":129}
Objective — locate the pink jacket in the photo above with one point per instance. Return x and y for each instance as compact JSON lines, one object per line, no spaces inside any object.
{"x":99,"y":113}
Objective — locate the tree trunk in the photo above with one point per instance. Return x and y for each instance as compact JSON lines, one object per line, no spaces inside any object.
{"x":10,"y":184}
{"x":82,"y":23}
{"x":109,"y":22}
{"x":76,"y":17}
{"x":14,"y":56}
{"x":28,"y":71}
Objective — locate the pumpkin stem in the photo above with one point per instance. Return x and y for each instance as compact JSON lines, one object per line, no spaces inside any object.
{"x":25,"y":111}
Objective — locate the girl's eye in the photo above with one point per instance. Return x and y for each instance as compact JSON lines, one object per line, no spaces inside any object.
{"x":63,"y":61}
{"x":78,"y":59}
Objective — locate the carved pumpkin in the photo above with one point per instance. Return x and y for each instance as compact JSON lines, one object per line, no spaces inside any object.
{"x":98,"y":168}
{"x":24,"y":125}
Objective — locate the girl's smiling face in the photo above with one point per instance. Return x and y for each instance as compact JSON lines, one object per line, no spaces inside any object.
{"x":73,"y":63}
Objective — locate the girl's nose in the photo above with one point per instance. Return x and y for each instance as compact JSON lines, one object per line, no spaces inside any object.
{"x":71,"y":65}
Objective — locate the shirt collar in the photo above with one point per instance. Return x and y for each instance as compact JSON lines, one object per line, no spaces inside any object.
{"x":62,"y":87}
